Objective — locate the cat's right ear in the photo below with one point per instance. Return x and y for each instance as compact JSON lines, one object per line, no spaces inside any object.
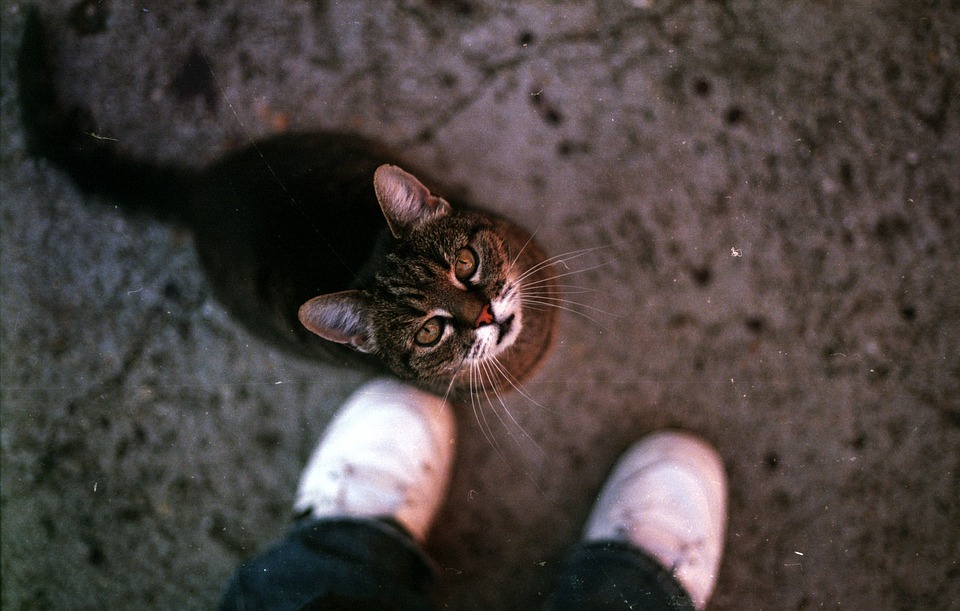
{"x":340,"y":317}
{"x":405,"y":202}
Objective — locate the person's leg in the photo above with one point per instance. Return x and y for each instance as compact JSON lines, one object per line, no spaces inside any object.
{"x":367,"y":498}
{"x":328,"y":563}
{"x":655,"y":536}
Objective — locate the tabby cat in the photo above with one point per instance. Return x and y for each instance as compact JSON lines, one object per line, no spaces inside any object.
{"x":321,"y":244}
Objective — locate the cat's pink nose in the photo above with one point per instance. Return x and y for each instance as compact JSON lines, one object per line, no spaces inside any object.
{"x":485,"y":317}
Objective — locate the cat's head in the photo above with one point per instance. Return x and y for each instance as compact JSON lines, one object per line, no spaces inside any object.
{"x":447,"y":300}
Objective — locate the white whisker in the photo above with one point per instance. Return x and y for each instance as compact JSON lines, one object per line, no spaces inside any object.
{"x":517,"y":385}
{"x":523,"y":248}
{"x":529,"y":302}
{"x":493,"y":366}
{"x":567,"y":289}
{"x":560,"y":295}
{"x":480,"y":415}
{"x":495,"y":390}
{"x":453,"y":376}
{"x":551,"y":300}
{"x":558,"y":259}
{"x":563,"y":275}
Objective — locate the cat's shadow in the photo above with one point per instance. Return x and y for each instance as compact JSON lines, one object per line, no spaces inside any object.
{"x":275,"y":221}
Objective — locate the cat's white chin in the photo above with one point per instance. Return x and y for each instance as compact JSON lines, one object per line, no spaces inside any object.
{"x":493,"y":339}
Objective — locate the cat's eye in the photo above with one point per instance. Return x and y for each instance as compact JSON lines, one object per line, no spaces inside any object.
{"x":430,"y":332}
{"x":465,"y":265}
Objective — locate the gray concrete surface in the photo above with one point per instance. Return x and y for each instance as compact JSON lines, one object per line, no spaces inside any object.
{"x":776,"y":186}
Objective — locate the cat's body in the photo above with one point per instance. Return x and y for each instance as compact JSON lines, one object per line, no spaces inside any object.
{"x":383,"y":272}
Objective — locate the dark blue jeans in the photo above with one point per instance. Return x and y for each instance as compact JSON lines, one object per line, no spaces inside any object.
{"x":372,"y":564}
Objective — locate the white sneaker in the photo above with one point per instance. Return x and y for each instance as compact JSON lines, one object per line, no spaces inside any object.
{"x":668,"y":496}
{"x":387,"y":453}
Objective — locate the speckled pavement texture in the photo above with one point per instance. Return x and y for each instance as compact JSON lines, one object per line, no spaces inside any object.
{"x":776,"y":190}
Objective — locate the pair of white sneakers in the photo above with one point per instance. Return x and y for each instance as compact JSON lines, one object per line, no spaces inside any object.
{"x":389,"y":450}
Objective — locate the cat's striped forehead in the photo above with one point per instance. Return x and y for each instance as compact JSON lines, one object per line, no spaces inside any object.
{"x":425,"y":256}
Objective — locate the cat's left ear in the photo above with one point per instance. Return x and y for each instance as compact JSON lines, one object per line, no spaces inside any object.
{"x":341,"y":317}
{"x":405,"y":202}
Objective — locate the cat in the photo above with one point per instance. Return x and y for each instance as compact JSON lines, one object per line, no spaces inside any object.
{"x":323,"y":245}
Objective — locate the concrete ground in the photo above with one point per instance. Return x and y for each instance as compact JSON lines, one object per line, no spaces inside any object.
{"x":776,"y":188}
